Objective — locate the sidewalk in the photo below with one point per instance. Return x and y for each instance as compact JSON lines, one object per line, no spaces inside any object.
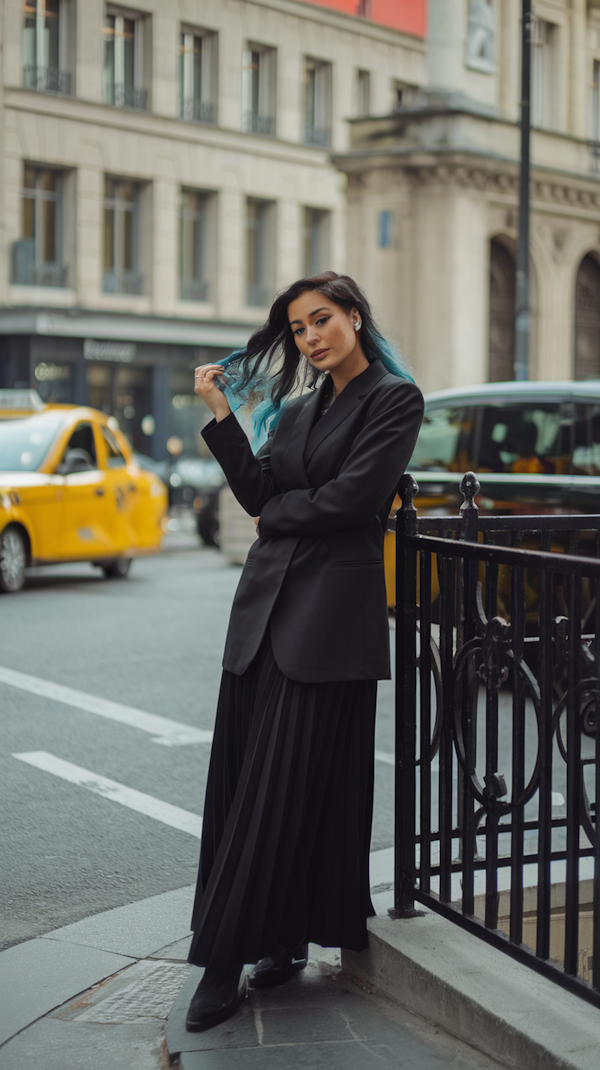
{"x":96,"y":995}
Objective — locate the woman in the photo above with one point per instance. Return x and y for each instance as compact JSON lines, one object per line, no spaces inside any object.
{"x":284,"y":858}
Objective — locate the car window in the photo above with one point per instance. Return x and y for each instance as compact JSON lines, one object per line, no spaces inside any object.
{"x":25,"y":442}
{"x":586,"y":448}
{"x":82,"y":439}
{"x":445,"y":441}
{"x":534,"y":439}
{"x":114,"y":457}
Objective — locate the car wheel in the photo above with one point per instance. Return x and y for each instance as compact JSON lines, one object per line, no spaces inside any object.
{"x":13,"y":560}
{"x":118,"y":569}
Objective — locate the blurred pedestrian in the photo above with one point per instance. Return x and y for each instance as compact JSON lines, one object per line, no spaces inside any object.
{"x":284,"y":858}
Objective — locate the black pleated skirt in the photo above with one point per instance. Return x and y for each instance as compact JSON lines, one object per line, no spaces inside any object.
{"x":284,"y":856}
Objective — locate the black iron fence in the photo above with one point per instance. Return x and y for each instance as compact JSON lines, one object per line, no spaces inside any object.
{"x":497,"y":701}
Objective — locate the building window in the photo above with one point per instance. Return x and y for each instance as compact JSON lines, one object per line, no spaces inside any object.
{"x":316,"y":240}
{"x":363,"y":93}
{"x":197,"y":76}
{"x":317,"y":103}
{"x":193,"y":228}
{"x":121,"y":237}
{"x":44,"y":47}
{"x":123,"y":61}
{"x":544,"y":42}
{"x":259,"y":252}
{"x":587,"y":319}
{"x":258,"y":90}
{"x":37,"y":259}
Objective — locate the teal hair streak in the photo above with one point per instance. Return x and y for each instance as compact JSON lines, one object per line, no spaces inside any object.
{"x":255,"y":393}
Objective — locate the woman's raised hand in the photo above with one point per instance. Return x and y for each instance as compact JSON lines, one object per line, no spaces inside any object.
{"x":206,"y":388}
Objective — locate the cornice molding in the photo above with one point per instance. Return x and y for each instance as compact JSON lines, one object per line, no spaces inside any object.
{"x":501,"y":179}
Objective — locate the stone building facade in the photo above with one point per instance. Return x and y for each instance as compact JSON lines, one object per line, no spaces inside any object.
{"x":165,"y":168}
{"x":433,"y":196}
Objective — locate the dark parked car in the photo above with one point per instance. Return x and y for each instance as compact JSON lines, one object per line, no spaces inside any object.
{"x":535,"y":447}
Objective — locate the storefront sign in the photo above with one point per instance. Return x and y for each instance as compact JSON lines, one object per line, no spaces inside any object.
{"x":121,"y":352}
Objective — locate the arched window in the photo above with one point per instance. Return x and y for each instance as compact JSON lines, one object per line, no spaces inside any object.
{"x":502,"y":312}
{"x":587,"y":319}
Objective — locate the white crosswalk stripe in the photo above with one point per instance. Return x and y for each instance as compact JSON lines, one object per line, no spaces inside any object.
{"x":165,"y":731}
{"x":174,"y":816}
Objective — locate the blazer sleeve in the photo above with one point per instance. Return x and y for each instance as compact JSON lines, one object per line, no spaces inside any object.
{"x":249,"y":475}
{"x":368,"y":477}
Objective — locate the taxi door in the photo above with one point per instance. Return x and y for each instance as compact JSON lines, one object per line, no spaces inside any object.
{"x":119,"y":490}
{"x":85,"y":526}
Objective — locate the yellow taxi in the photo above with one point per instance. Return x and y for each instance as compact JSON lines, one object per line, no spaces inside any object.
{"x":70,"y":490}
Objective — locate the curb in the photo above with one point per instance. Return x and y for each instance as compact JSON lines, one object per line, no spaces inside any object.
{"x":478,"y":994}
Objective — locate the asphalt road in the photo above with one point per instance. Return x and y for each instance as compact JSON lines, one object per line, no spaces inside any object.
{"x":152,"y":642}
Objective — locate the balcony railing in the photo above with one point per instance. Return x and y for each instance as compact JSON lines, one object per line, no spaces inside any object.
{"x":198,"y":111}
{"x":122,"y":282}
{"x":127,"y":96}
{"x":259,"y":124}
{"x":47,"y":80}
{"x":193,"y":289}
{"x":29,"y":272}
{"x":319,"y":136}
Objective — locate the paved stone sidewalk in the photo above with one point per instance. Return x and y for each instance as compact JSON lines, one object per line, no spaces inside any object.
{"x":321,"y":1019}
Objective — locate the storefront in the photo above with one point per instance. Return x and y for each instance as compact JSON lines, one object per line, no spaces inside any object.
{"x":147,"y":386}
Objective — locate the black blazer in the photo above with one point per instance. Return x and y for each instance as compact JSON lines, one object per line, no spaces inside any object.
{"x":323,"y":491}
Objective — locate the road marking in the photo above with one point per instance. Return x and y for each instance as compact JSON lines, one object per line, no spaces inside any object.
{"x":168,"y":733}
{"x":119,"y":793}
{"x":383,"y":756}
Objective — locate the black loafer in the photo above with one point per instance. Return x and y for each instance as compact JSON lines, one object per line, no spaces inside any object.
{"x":277,"y":969}
{"x":217,"y":997}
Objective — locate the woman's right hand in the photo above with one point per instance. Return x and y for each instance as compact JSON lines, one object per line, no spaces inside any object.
{"x":206,"y":388}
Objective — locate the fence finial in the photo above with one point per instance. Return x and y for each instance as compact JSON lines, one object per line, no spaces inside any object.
{"x":408,"y":489}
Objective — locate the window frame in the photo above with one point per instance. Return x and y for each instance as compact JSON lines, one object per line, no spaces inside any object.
{"x":201,"y":105}
{"x":39,"y":74}
{"x":259,"y":94}
{"x":195,"y":287}
{"x":119,"y":94}
{"x":120,"y":279}
{"x":318,"y":74}
{"x":316,"y":229}
{"x":260,"y":252}
{"x":30,"y":267}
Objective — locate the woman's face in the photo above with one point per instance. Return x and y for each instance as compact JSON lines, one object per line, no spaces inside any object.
{"x":323,"y":332}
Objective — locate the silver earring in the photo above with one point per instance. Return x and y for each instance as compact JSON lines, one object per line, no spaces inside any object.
{"x":357,"y":325}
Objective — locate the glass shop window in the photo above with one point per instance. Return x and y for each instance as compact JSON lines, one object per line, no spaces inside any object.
{"x":528,"y":439}
{"x":445,"y":441}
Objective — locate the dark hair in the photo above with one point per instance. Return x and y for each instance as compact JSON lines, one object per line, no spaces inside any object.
{"x":271,"y":367}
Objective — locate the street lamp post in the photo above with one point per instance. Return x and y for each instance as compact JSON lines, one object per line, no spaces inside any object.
{"x":522,"y":314}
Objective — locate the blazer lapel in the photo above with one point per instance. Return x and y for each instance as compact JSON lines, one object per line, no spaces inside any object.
{"x":294,"y":454}
{"x":350,"y":397}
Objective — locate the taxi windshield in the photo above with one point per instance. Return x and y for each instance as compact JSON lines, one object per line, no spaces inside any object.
{"x":25,"y":441}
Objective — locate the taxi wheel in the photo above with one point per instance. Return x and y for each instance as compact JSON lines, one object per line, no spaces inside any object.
{"x":117,"y":570}
{"x":13,"y":560}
